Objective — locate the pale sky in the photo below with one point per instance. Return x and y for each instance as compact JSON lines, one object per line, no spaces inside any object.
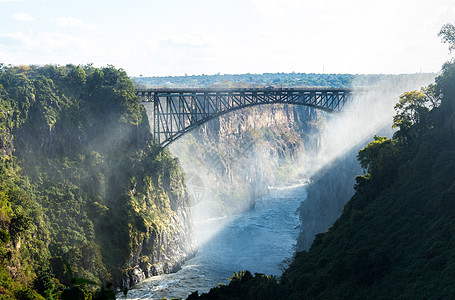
{"x":174,"y":37}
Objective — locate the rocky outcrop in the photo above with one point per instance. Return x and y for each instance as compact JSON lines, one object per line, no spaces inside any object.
{"x":161,"y":251}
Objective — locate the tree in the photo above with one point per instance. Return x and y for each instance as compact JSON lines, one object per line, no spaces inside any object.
{"x":377,"y":155}
{"x":445,"y":87}
{"x":447,"y":33}
{"x":413,"y":113}
{"x":77,"y":75}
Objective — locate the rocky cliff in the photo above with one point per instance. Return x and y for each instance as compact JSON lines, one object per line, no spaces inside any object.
{"x":329,"y":191}
{"x":161,"y":252}
{"x":96,"y":191}
{"x":238,"y":156}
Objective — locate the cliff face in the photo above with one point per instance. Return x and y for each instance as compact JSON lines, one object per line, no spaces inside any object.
{"x":161,"y":238}
{"x":326,"y":197}
{"x":161,"y":251}
{"x":113,"y":204}
{"x":238,"y":156}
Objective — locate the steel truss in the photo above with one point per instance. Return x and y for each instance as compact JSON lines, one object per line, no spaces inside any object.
{"x":177,"y":111}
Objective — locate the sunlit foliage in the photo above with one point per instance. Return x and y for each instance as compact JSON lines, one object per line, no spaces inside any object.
{"x":80,"y":178}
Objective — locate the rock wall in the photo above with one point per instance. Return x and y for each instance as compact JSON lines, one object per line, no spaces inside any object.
{"x":239,"y":155}
{"x":161,"y":251}
{"x":107,"y":200}
{"x":329,"y":191}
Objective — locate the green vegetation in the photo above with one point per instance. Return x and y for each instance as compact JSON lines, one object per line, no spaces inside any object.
{"x":245,"y":286}
{"x":266,"y":80}
{"x":250,"y":80}
{"x":447,"y":34}
{"x":81,"y":183}
{"x":80,"y":178}
{"x":395,"y":237}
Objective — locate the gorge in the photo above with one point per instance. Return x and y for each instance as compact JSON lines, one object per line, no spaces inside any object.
{"x":329,"y":192}
{"x":82,"y":182}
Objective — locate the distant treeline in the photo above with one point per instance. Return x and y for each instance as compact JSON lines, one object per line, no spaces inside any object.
{"x":268,"y":79}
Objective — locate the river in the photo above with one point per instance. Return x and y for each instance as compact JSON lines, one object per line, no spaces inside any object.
{"x":258,"y":240}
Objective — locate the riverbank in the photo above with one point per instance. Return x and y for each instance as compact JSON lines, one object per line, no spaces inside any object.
{"x":258,"y":240}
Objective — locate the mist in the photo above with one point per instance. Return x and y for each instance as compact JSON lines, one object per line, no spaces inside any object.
{"x":369,"y":113}
{"x":332,"y":163}
{"x":227,"y":168}
{"x":238,"y":165}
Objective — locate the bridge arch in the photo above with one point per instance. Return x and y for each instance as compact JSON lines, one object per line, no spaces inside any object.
{"x":177,"y":111}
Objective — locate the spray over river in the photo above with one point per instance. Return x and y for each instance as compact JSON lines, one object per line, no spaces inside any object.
{"x":258,"y":240}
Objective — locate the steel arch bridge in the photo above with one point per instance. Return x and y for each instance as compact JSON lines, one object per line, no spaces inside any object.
{"x":177,"y":111}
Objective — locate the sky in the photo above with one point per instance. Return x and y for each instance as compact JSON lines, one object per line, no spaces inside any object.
{"x":194,"y":37}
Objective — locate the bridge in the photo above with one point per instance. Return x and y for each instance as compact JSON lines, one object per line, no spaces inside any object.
{"x":177,"y":111}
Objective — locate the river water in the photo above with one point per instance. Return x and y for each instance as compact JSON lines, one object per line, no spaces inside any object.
{"x":258,"y":240}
